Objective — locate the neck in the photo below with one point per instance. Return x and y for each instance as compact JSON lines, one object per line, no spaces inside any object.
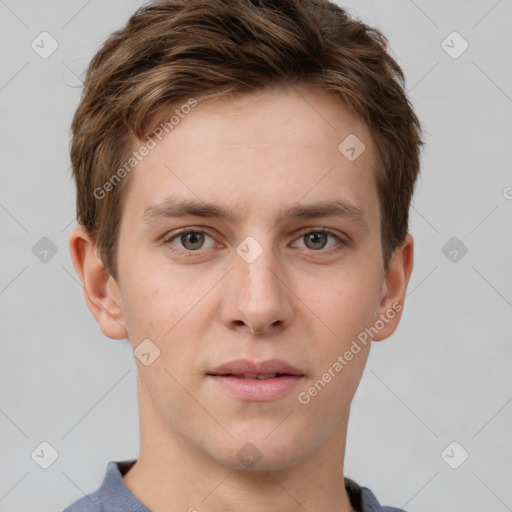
{"x":172,"y":474}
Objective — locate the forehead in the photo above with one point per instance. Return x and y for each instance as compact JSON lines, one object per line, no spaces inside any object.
{"x":259,"y":153}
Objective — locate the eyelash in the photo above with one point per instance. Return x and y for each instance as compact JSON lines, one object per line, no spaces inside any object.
{"x":189,"y":253}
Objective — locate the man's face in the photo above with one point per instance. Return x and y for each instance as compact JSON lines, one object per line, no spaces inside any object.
{"x":257,"y":287}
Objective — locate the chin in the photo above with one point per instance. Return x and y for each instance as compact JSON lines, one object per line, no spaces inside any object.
{"x":256,"y":454}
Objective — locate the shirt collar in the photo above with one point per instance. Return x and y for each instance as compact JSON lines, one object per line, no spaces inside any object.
{"x":116,"y":497}
{"x":113,"y":493}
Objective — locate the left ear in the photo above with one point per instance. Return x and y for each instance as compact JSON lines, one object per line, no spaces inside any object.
{"x":394,"y":288}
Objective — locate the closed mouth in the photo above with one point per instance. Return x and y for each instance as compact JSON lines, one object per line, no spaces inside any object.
{"x":258,"y":376}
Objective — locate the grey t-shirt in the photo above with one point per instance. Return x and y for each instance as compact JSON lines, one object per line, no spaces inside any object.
{"x":114,"y":496}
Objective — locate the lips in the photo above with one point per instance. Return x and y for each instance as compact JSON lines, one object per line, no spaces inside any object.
{"x":246,"y":369}
{"x":256,"y":382}
{"x":259,"y":376}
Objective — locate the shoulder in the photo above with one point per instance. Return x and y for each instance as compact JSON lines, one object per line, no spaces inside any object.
{"x":88,"y":503}
{"x":370,"y":503}
{"x":112,"y":495}
{"x":363,"y":500}
{"x":93,"y":502}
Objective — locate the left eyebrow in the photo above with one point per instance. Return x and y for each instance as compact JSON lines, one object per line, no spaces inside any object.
{"x":336,"y":208}
{"x":174,"y":207}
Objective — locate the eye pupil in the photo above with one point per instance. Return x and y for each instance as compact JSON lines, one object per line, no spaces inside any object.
{"x":196,"y":238}
{"x":315,"y":238}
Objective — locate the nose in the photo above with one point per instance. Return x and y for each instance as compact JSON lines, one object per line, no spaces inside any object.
{"x":257,"y":297}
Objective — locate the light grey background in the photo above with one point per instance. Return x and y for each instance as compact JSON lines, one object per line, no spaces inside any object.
{"x":444,"y":376}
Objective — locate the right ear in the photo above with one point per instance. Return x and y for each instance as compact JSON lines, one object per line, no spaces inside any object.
{"x":101,"y":291}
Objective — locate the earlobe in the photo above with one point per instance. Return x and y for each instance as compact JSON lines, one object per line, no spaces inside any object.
{"x":100,"y":289}
{"x":394,"y":288}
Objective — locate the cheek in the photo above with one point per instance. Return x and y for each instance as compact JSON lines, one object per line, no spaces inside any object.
{"x":347,"y":301}
{"x":143,"y":306}
{"x":327,"y":398}
{"x":168,"y":310}
{"x":346,"y":307}
{"x":153,"y":300}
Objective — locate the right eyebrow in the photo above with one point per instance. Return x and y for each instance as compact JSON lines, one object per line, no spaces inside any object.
{"x":173,"y":207}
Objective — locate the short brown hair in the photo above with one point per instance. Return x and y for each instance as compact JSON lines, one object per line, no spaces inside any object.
{"x":174,"y":50}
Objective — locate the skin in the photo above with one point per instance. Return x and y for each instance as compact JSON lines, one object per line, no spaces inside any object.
{"x":299,"y":302}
